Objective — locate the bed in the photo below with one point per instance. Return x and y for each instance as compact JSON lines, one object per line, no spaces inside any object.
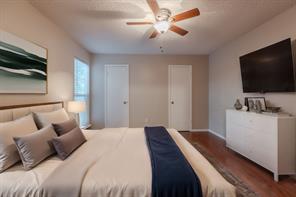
{"x":113,"y":162}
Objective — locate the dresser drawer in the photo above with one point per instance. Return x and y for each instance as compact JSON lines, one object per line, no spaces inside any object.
{"x":262,"y":123}
{"x":263,"y":149}
{"x":236,"y":138}
{"x":266,"y":124}
{"x":233,"y":117}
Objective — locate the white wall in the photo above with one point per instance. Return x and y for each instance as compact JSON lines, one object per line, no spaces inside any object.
{"x":149,"y":88}
{"x":22,"y":19}
{"x":225,"y":77}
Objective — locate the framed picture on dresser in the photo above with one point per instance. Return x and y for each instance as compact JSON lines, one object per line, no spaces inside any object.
{"x":250,"y":102}
{"x":23,"y":66}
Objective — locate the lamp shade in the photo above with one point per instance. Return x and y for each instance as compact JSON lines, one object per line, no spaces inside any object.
{"x":76,"y":106}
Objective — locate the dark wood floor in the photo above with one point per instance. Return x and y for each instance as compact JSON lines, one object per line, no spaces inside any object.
{"x":254,"y":176}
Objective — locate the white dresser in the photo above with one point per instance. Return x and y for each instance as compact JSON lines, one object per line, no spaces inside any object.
{"x":268,"y":140}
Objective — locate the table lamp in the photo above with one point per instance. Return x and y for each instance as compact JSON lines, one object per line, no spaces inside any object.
{"x":76,"y":107}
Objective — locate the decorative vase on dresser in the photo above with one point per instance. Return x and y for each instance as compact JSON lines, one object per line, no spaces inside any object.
{"x":238,"y":105}
{"x":267,"y":139}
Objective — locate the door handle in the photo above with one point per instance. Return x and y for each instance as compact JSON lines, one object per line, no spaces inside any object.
{"x":172,"y":102}
{"x":124,"y":102}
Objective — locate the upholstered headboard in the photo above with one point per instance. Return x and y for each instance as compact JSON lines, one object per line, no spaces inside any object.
{"x":9,"y":113}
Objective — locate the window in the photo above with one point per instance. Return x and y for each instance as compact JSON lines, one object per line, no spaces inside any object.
{"x":81,"y":88}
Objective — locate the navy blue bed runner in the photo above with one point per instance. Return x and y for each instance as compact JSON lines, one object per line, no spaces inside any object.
{"x":172,"y":175}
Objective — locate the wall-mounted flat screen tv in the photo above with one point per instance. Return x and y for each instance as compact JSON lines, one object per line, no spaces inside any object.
{"x":269,"y":69}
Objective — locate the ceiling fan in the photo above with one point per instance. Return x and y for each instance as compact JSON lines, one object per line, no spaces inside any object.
{"x":165,"y":21}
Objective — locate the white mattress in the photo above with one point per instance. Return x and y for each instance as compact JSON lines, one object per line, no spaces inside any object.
{"x":122,"y":169}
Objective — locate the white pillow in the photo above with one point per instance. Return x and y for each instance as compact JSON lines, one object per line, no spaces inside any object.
{"x":8,"y":151}
{"x":44,"y":119}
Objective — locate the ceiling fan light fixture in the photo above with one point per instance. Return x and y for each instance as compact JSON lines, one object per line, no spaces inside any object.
{"x":162,"y":26}
{"x":164,"y":21}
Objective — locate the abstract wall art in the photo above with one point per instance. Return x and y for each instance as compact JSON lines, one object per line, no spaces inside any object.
{"x":23,"y":66}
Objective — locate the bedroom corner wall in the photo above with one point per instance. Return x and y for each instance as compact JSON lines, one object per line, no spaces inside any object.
{"x":149,"y":88}
{"x":225,"y":83}
{"x":23,"y":20}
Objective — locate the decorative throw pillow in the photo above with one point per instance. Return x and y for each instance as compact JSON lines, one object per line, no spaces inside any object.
{"x":8,"y":151}
{"x":44,"y":119}
{"x":64,"y":127}
{"x":67,"y":143}
{"x":35,"y":147}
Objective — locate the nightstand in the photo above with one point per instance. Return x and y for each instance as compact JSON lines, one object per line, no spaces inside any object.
{"x":86,"y":127}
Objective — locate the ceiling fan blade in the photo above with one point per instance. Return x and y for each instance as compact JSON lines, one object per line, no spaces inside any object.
{"x":139,"y":23}
{"x":186,"y":15}
{"x":178,"y":30}
{"x":153,"y":35}
{"x":154,"y":6}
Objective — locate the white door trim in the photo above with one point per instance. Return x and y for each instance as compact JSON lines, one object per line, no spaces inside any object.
{"x":105,"y":91}
{"x":190,"y":94}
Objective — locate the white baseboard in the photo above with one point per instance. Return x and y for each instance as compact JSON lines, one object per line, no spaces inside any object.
{"x":210,"y":131}
{"x":199,"y":130}
{"x":216,"y":134}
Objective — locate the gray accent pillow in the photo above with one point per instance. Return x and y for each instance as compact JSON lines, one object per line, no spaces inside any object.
{"x":44,"y":119}
{"x":8,"y":151}
{"x":64,"y":127}
{"x":67,"y":143}
{"x":35,"y":147}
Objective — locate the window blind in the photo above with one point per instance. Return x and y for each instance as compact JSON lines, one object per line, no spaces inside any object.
{"x":81,"y":88}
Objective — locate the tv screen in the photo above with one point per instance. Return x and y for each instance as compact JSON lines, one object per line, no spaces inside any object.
{"x":269,"y":69}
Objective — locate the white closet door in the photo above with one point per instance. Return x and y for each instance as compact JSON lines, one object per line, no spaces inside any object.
{"x":116,"y":96}
{"x":180,"y":77}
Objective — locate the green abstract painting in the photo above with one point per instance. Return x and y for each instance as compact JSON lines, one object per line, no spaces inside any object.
{"x":23,"y":66}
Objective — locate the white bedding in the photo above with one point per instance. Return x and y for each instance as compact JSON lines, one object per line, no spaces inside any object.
{"x":122,"y":168}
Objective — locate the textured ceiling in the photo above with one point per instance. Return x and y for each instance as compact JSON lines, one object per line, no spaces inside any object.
{"x":99,"y":25}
